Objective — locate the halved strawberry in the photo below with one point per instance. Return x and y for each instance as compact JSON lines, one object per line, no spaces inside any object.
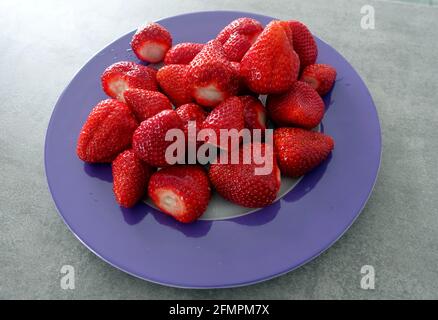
{"x":181,"y":191}
{"x":270,"y":65}
{"x":300,"y":151}
{"x":320,"y":76}
{"x":300,"y":106}
{"x":245,"y":26}
{"x":145,"y":104}
{"x":126,"y":74}
{"x":173,"y":81}
{"x":130,"y":178}
{"x":304,"y":44}
{"x":227,"y":115}
{"x":254,"y":113}
{"x":183,"y":53}
{"x":241,"y":184}
{"x":151,"y":42}
{"x":149,"y":140}
{"x":107,"y":132}
{"x":211,"y":76}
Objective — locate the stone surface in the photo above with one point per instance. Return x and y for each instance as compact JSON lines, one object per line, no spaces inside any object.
{"x":43,"y":46}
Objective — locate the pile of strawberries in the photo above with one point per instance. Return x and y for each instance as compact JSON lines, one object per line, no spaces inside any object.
{"x":217,"y":85}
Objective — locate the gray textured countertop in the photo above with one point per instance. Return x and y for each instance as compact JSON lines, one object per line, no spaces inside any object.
{"x":42,"y":47}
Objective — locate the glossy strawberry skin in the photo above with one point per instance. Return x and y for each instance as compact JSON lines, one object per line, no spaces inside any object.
{"x":240,"y":184}
{"x":173,"y":82}
{"x":304,"y":44}
{"x":299,"y":151}
{"x":321,"y":77}
{"x":183,"y":53}
{"x":107,"y":132}
{"x":254,"y":113}
{"x":270,"y":65}
{"x":151,"y":42}
{"x":300,"y":106}
{"x":236,"y":46}
{"x":244,"y":26}
{"x":145,"y":104}
{"x":130,"y":178}
{"x":125,"y":74}
{"x":211,"y":76}
{"x":227,"y":115}
{"x":181,"y":191}
{"x":148,"y":140}
{"x":195,"y":113}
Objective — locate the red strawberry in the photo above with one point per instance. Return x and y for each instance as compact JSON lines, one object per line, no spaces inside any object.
{"x":270,"y":65}
{"x":287,"y":29}
{"x":236,"y":46}
{"x":241,"y":184}
{"x":173,"y":81}
{"x":320,"y":76}
{"x":181,"y":191}
{"x":300,"y":151}
{"x":149,"y":141}
{"x":183,"y":53}
{"x":245,"y":26}
{"x":107,"y":132}
{"x":254,"y":113}
{"x":131,"y":177}
{"x":304,"y":44}
{"x":211,"y":76}
{"x":125,"y":74}
{"x":145,"y":104}
{"x":227,"y":115}
{"x":192,"y":112}
{"x":151,"y":42}
{"x":300,"y":106}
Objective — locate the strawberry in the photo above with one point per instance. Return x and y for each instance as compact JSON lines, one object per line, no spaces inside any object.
{"x":211,"y":76}
{"x":183,"y":53}
{"x":287,"y":29}
{"x":300,"y":151}
{"x":125,"y":74}
{"x":300,"y":106}
{"x":151,"y":42}
{"x":149,"y":141}
{"x":191,"y":112}
{"x":131,"y":177}
{"x":245,"y":26}
{"x":270,"y":65}
{"x":236,"y":46}
{"x":173,"y":81}
{"x":254,"y":113}
{"x":320,"y":76}
{"x":181,"y":191}
{"x":304,"y":44}
{"x":145,"y":104}
{"x":241,"y":184}
{"x":106,"y":132}
{"x":227,"y":115}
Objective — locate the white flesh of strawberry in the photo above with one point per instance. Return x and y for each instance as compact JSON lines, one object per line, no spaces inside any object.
{"x":118,"y":86}
{"x":152,"y":52}
{"x":209,"y":93}
{"x":170,"y":202}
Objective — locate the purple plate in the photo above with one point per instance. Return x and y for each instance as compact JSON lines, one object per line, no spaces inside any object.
{"x":214,"y":254}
